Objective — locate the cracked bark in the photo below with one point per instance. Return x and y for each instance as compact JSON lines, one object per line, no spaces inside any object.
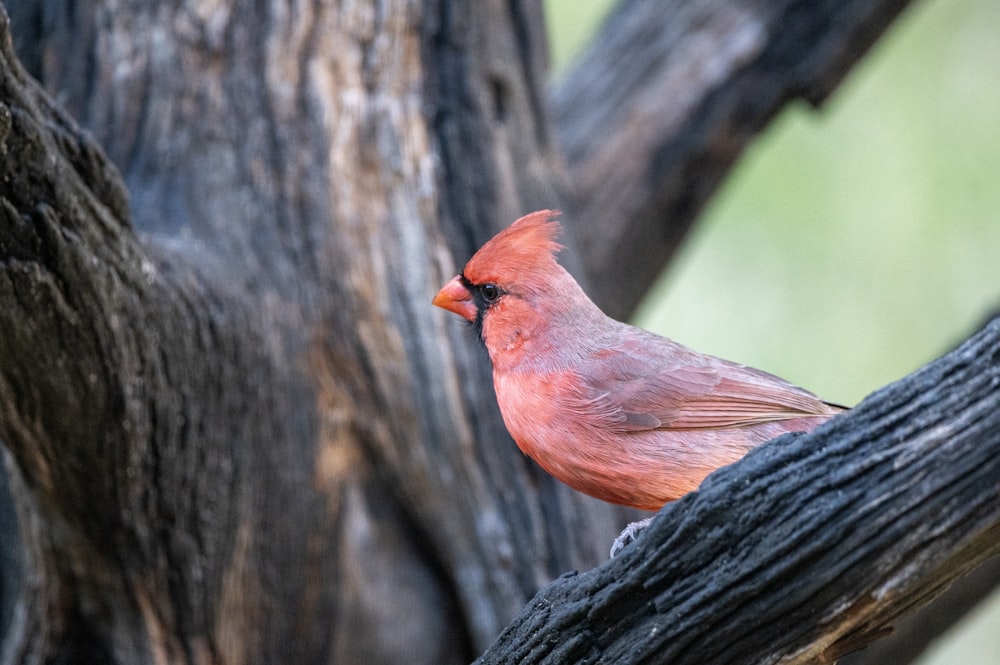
{"x":234,"y":429}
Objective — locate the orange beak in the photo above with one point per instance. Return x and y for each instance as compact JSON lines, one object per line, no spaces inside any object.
{"x":454,"y":297}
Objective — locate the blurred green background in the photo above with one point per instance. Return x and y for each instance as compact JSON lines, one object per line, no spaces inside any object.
{"x":853,"y":243}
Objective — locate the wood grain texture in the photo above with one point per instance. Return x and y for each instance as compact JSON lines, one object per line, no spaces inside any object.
{"x":234,"y":420}
{"x":234,"y":428}
{"x":657,"y":109}
{"x":913,"y":634}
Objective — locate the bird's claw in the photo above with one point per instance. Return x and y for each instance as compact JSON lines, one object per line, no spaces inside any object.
{"x":628,"y":534}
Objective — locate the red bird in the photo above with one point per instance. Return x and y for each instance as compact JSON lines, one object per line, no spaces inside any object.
{"x":611,"y":410}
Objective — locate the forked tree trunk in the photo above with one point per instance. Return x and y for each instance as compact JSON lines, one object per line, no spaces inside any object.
{"x":235,"y":431}
{"x":238,"y":431}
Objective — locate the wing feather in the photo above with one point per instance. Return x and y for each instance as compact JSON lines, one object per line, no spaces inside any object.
{"x":682,"y":389}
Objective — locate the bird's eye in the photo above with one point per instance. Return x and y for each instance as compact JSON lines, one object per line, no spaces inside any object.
{"x":490,"y":292}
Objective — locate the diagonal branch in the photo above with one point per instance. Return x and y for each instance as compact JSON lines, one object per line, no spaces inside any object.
{"x":912,"y":636}
{"x":648,"y":142}
{"x":806,"y":549}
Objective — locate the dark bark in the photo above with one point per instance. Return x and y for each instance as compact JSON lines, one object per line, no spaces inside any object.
{"x":256,"y":436}
{"x":807,"y":548}
{"x":913,"y":634}
{"x":11,"y":566}
{"x":653,"y":114}
{"x":235,"y":430}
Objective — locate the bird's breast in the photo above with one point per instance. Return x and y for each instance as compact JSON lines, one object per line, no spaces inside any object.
{"x":575,"y":437}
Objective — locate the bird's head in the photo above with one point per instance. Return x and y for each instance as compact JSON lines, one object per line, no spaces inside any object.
{"x":513,"y":285}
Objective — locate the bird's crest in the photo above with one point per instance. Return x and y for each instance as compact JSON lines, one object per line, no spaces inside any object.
{"x":528,"y":246}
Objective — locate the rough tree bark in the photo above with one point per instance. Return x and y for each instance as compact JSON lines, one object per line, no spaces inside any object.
{"x":675,"y":97}
{"x":234,"y":430}
{"x":237,"y":431}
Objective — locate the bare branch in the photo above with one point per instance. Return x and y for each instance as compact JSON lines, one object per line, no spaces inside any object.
{"x":658,"y":109}
{"x":914,"y":633}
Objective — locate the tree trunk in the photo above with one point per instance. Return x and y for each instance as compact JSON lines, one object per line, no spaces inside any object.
{"x":238,"y":431}
{"x":234,"y":428}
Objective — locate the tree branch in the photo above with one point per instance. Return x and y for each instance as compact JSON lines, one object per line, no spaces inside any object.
{"x":916,"y":632}
{"x":806,"y":549}
{"x":702,"y":79}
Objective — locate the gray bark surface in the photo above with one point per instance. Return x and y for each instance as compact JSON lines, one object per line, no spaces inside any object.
{"x":234,"y":429}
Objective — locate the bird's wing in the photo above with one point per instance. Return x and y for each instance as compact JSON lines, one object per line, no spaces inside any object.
{"x":686,"y":390}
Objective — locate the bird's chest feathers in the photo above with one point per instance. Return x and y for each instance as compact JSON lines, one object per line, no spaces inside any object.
{"x":549,"y":419}
{"x":534,"y":406}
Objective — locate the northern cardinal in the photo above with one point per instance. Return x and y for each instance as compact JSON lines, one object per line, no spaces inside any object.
{"x":611,"y":410}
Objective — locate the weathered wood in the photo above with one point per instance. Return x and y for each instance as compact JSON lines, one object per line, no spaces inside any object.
{"x":655,"y":112}
{"x":234,"y":419}
{"x":913,"y":634}
{"x":808,"y":547}
{"x":234,"y":427}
